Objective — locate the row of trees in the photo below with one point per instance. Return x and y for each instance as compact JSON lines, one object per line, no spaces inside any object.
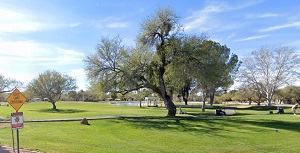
{"x":286,"y":95}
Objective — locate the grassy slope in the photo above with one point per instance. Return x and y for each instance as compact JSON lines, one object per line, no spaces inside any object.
{"x":249,"y":131}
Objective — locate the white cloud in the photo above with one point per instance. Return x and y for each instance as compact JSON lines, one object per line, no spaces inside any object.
{"x":117,"y":25}
{"x":30,"y":52}
{"x":69,"y":52}
{"x":205,"y":18}
{"x":20,"y":27}
{"x":75,"y":24}
{"x":229,"y":37}
{"x":24,"y":60}
{"x":199,"y":18}
{"x":267,"y":15}
{"x":264,"y":15}
{"x":20,"y":21}
{"x":294,"y":43}
{"x":111,"y":22}
{"x":251,"y":38}
{"x":111,"y":18}
{"x":10,"y":15}
{"x":283,"y":26}
{"x":20,"y":48}
{"x":14,"y":21}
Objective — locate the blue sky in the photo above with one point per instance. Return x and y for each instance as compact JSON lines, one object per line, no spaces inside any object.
{"x":38,"y":35}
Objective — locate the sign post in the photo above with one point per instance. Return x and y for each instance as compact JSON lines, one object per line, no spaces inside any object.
{"x":16,"y":99}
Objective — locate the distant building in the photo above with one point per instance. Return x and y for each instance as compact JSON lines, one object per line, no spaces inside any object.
{"x":154,"y":101}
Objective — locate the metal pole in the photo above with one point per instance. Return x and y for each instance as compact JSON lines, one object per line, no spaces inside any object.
{"x":12,"y":135}
{"x":18,"y":142}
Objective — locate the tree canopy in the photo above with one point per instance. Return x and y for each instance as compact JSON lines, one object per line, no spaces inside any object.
{"x":270,"y":68}
{"x":141,"y":67}
{"x":164,"y":60}
{"x":8,"y":84}
{"x":217,"y":68}
{"x":51,"y":85}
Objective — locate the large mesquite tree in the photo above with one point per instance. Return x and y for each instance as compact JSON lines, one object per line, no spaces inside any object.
{"x":119,"y":70}
{"x":164,"y":60}
{"x":51,"y":85}
{"x":158,"y":31}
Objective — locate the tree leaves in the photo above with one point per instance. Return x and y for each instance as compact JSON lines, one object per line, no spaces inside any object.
{"x":51,"y":84}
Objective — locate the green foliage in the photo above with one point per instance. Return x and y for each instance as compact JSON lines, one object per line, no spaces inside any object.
{"x":118,"y":70}
{"x":164,"y":60}
{"x":159,"y":31}
{"x":224,"y":97}
{"x":289,"y":94}
{"x":104,"y":68}
{"x":213,"y":67}
{"x":158,"y":28}
{"x":51,"y":85}
{"x":179,"y":72}
{"x":216,"y":67}
{"x":75,"y":96}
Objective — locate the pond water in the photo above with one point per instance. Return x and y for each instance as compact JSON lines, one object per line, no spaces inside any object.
{"x":125,"y":103}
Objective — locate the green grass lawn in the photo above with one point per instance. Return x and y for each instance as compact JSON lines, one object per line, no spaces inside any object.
{"x":43,"y":110}
{"x":250,"y":130}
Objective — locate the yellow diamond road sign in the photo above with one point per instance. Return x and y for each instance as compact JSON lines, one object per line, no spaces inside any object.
{"x":16,"y":99}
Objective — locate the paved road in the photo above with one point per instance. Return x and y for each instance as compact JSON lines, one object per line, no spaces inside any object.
{"x":4,"y":149}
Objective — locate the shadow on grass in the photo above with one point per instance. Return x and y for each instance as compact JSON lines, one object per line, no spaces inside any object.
{"x":198,"y":125}
{"x":211,"y":125}
{"x":258,"y":107}
{"x":275,"y":124}
{"x":61,"y":111}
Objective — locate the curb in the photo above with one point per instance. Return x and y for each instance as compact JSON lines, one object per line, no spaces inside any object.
{"x":88,"y":118}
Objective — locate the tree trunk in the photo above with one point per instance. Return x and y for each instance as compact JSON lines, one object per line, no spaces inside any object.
{"x":185,"y":101}
{"x":54,"y":106}
{"x":170,"y":105}
{"x":185,"y":95}
{"x":211,"y":98}
{"x":269,"y":102}
{"x":203,"y":106}
{"x":204,"y":96}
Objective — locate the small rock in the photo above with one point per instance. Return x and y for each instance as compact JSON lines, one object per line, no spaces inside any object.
{"x":84,"y":121}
